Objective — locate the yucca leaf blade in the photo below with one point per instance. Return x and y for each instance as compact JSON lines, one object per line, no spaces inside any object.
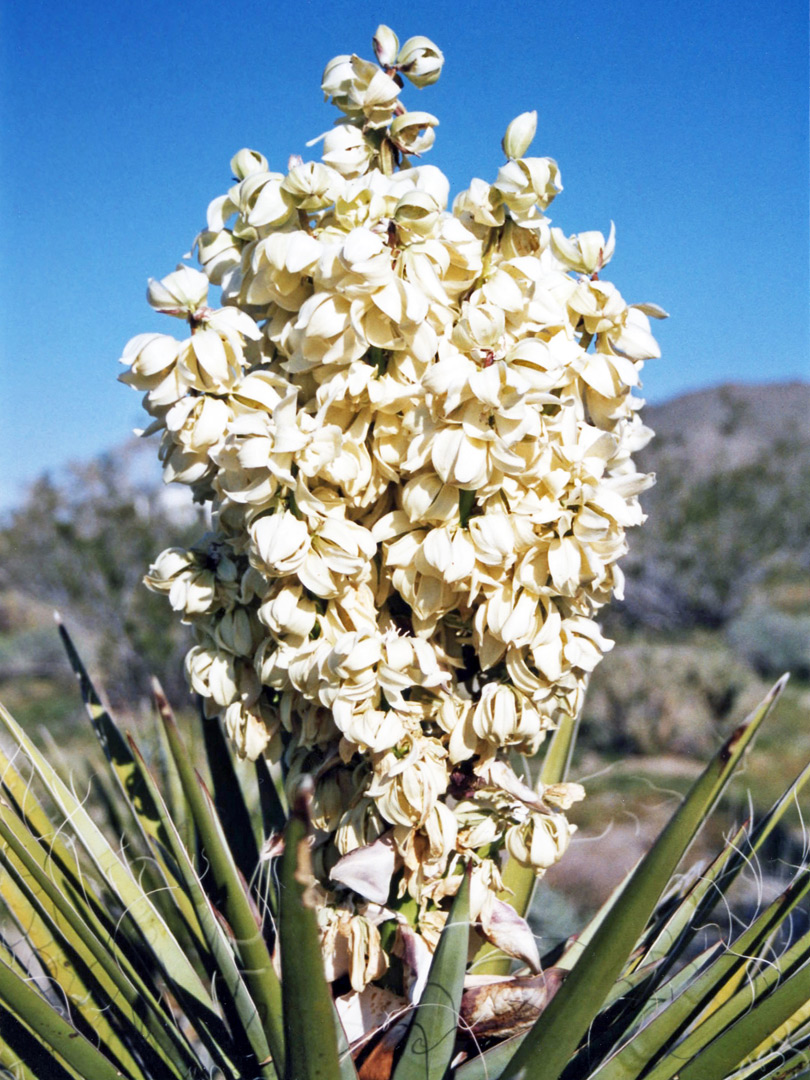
{"x":229,"y":798}
{"x":556,"y":1035}
{"x":736,"y":1042}
{"x":172,"y":788}
{"x":716,"y":880}
{"x":138,"y":1003}
{"x":140,"y":911}
{"x":67,"y":1044}
{"x":671,"y":990}
{"x":221,"y":952}
{"x":67,"y":963}
{"x":130,"y":783}
{"x":254,"y":957}
{"x":309,"y":1020}
{"x":490,"y":1064}
{"x":786,"y":1065}
{"x":113,"y":743}
{"x":720,"y":1020}
{"x":640,"y":1052}
{"x":19,"y":1051}
{"x":274,"y":815}
{"x":788,"y":1031}
{"x":432,"y":1033}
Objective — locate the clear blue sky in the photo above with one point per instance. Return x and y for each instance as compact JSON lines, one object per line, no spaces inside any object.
{"x":685,"y":122}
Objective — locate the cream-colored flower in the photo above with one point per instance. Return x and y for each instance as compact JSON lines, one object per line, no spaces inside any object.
{"x":312,"y":186}
{"x":220,"y":677}
{"x":152,"y":361}
{"x":482,"y":203}
{"x":289,"y":614}
{"x":540,"y":841}
{"x":585,"y":253}
{"x":347,"y":150}
{"x":194,"y":580}
{"x":425,"y":851}
{"x":412,"y":132}
{"x":360,"y":87}
{"x":506,"y":717}
{"x":252,"y":730}
{"x":528,"y":182}
{"x":338,"y":550}
{"x":181,"y":293}
{"x":359,"y":825}
{"x":408,"y":780}
{"x":245,"y":162}
{"x":351,"y":946}
{"x":420,"y":61}
{"x":281,"y":542}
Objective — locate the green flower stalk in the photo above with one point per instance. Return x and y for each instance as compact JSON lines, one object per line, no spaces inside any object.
{"x":414,"y":427}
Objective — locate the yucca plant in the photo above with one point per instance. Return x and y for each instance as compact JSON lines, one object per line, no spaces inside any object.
{"x":156,"y":957}
{"x":413,"y":427}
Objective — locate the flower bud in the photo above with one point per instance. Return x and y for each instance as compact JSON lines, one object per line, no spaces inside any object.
{"x":420,"y":61}
{"x":246,"y":162}
{"x":519,"y":134}
{"x":386,"y":44}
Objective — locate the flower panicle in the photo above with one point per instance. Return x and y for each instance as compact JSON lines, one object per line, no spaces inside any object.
{"x":414,"y":426}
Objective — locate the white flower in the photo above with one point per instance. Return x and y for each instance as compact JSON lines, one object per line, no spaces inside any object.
{"x":527,"y":182}
{"x":408,"y":781}
{"x":312,"y":186}
{"x":541,"y":841}
{"x":281,"y":542}
{"x":181,"y":293}
{"x":347,"y":150}
{"x":587,"y":252}
{"x":420,"y":61}
{"x":505,"y":717}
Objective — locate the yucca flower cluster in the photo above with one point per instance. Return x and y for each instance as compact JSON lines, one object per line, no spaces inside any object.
{"x":414,"y":428}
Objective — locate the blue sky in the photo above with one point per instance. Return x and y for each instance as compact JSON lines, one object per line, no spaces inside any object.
{"x":684,"y":122}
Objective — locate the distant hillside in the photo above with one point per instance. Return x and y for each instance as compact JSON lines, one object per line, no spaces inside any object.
{"x":727,"y":427}
{"x":730,"y":512}
{"x":717,"y":598}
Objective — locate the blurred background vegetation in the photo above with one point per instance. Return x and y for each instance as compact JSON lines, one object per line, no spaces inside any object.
{"x":716,"y":607}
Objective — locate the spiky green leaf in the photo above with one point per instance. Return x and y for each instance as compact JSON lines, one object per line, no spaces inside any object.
{"x":555,"y":1037}
{"x":432,"y":1032}
{"x":236,"y":997}
{"x":234,"y":899}
{"x":309,"y":1019}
